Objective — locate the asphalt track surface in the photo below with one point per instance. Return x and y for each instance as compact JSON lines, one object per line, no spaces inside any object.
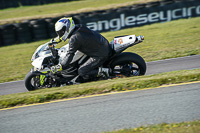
{"x":182,"y":63}
{"x":108,"y":112}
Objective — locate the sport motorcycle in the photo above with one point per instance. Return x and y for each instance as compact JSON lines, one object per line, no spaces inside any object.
{"x":120,"y":64}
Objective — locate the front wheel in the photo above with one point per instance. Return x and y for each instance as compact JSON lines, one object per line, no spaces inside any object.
{"x":32,"y":81}
{"x":128,"y":64}
{"x":36,"y":80}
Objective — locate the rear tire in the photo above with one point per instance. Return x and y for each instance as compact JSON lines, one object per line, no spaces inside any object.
{"x":134,"y":63}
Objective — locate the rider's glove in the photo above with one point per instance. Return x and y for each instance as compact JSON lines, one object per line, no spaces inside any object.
{"x":56,"y":68}
{"x":52,"y":42}
{"x":54,"y":51}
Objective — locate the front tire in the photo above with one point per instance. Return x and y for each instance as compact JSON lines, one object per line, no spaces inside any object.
{"x":128,"y":64}
{"x":32,"y":81}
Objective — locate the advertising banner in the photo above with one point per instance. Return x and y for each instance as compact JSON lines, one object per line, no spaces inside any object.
{"x":142,"y":14}
{"x":103,"y":20}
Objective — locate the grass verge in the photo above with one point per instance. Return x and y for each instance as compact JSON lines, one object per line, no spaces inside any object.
{"x":105,"y":86}
{"x":183,"y":127}
{"x":162,"y":41}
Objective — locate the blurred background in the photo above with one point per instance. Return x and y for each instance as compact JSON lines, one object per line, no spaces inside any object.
{"x":23,"y":21}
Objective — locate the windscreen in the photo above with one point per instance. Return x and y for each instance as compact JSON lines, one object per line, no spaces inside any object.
{"x":41,"y":50}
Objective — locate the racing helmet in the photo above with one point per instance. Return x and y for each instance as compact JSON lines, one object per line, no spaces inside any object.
{"x":64,"y":27}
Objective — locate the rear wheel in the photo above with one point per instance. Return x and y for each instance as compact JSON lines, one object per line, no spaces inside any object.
{"x":128,"y":64}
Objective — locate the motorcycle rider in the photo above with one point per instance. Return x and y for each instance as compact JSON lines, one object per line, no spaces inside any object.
{"x":86,"y":41}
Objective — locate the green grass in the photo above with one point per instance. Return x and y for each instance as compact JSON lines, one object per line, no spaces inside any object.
{"x":183,"y":127}
{"x":104,"y":86}
{"x":162,"y":41}
{"x":58,"y":9}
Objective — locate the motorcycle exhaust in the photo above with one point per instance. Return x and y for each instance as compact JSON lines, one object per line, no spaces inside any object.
{"x":139,"y":39}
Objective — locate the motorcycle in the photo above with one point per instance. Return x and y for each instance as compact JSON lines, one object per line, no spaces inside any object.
{"x":121,"y":64}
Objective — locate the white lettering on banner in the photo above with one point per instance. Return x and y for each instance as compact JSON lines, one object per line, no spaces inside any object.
{"x":92,"y":25}
{"x":184,"y":12}
{"x":198,"y":10}
{"x":190,"y":11}
{"x":101,"y":23}
{"x":168,"y":16}
{"x":122,"y":16}
{"x":162,"y":16}
{"x":115,"y":23}
{"x":153,"y":17}
{"x":142,"y":19}
{"x":130,"y":20}
{"x":174,"y":12}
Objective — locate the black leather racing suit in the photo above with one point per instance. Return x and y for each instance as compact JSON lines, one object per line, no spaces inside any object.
{"x":90,"y":43}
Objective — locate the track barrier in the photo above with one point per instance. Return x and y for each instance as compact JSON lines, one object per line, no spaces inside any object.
{"x":103,"y":20}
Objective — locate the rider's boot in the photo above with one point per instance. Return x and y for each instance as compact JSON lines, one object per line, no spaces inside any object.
{"x":104,"y":72}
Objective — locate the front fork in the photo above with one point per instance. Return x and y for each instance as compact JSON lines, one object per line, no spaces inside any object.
{"x":42,"y":79}
{"x":41,"y":75}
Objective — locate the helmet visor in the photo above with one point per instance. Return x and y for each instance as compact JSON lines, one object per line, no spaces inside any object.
{"x":61,"y":32}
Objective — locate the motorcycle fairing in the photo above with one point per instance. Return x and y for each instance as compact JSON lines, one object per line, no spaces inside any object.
{"x":63,"y":51}
{"x":121,"y":42}
{"x":42,"y":52}
{"x":37,"y":63}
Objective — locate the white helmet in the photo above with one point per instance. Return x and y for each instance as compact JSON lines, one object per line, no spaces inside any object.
{"x":63,"y":27}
